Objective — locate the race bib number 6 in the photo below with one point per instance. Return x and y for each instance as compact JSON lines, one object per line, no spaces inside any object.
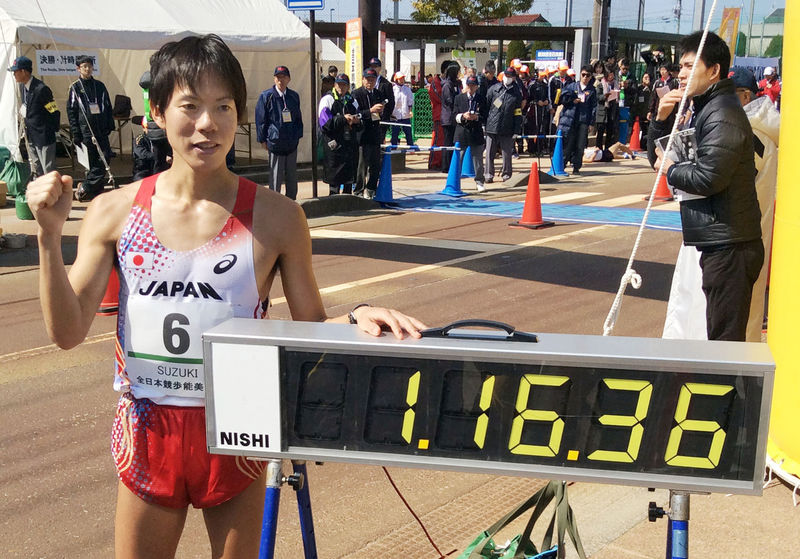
{"x":164,"y":342}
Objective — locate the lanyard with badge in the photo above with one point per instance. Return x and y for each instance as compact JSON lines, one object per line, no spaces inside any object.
{"x":286,"y":114}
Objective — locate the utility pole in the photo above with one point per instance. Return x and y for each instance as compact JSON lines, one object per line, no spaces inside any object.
{"x":640,"y":18}
{"x":602,"y":9}
{"x":567,"y":23}
{"x":750,"y":28}
{"x":396,"y":49}
{"x":676,"y":11}
{"x":370,"y":13}
{"x":699,"y":14}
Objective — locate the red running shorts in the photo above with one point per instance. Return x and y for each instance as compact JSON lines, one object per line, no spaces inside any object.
{"x":161,"y":456}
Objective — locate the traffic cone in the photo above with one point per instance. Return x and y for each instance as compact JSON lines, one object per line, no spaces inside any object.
{"x":663,"y":193}
{"x":557,"y":160}
{"x":635,"y":144}
{"x":467,"y":168}
{"x":532,"y":211}
{"x":110,"y":304}
{"x":453,"y":186}
{"x":384,"y":192}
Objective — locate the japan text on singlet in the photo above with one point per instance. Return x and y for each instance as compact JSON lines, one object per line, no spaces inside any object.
{"x":168,"y":298}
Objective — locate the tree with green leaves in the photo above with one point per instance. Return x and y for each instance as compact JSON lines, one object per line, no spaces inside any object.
{"x":775,"y":47}
{"x":516,"y":49}
{"x":741,"y":44}
{"x":466,"y":12}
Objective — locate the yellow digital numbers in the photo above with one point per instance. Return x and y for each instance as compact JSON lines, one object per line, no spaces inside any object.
{"x":526,"y":414}
{"x":645,"y":390}
{"x":482,"y":424}
{"x":412,"y":392}
{"x":684,"y":424}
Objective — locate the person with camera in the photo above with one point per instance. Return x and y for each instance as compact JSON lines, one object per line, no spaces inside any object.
{"x":371,"y":104}
{"x":339,"y":125}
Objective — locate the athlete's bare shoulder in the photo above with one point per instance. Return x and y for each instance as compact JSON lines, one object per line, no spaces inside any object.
{"x":107,"y":214}
{"x":277,"y":220}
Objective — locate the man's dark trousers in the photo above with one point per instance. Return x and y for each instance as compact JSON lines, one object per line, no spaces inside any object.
{"x":728,"y":276}
{"x":369,"y":163}
{"x":576,"y":142}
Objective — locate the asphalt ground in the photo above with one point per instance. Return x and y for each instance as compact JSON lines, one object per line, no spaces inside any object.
{"x":57,"y":479}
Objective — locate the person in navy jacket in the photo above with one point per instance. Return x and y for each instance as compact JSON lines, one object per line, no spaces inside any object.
{"x":470,"y":110}
{"x":40,"y":113}
{"x":279,"y":127}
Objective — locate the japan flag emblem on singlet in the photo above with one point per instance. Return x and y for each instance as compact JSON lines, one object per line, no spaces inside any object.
{"x":139,"y":260}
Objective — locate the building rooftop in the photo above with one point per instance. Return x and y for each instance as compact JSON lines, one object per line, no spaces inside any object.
{"x":520,"y":19}
{"x":775,"y":17}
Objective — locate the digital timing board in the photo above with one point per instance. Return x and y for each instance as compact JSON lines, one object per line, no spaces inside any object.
{"x":678,"y":414}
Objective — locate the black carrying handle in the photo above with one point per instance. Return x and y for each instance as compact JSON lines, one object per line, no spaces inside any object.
{"x":512,"y":333}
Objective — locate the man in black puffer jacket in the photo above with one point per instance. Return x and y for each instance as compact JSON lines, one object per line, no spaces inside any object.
{"x":719,"y":208}
{"x":503,"y":121}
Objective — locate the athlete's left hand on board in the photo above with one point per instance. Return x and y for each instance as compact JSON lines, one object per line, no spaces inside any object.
{"x":373,"y":320}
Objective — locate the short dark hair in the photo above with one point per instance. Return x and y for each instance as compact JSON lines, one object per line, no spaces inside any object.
{"x":587,"y":68}
{"x":715,"y":51}
{"x":624,"y":62}
{"x":333,"y":69}
{"x":445,"y":65}
{"x":183,"y":63}
{"x":490,"y":66}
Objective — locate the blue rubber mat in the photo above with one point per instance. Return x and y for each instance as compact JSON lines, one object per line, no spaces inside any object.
{"x":438,"y":203}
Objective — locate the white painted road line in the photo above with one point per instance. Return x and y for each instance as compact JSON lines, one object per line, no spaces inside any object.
{"x":567,"y":196}
{"x":406,"y":240}
{"x":620,"y":201}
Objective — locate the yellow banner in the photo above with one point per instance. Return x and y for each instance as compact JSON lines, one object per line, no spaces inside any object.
{"x":729,"y":28}
{"x":352,"y":50}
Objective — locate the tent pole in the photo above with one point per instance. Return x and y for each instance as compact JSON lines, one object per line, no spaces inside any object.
{"x":313,"y":96}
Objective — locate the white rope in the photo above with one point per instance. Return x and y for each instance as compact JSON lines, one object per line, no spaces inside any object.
{"x":80,"y":103}
{"x":630,"y":275}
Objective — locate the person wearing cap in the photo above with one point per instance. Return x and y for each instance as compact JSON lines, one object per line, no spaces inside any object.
{"x":40,"y":115}
{"x":339,"y":124}
{"x":770,"y":86}
{"x":279,"y":127}
{"x":450,"y":88}
{"x":579,"y":100}
{"x":470,"y":111}
{"x":90,"y":119}
{"x":502,"y":122}
{"x":386,"y":90}
{"x":554,"y":84}
{"x":538,"y":114}
{"x":403,"y":109}
{"x":523,"y":79}
{"x":327,"y":81}
{"x":151,"y":150}
{"x":370,"y":103}
{"x":570,"y":76}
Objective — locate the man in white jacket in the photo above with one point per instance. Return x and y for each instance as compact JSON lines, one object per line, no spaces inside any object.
{"x":403,"y":109}
{"x":686,"y":310}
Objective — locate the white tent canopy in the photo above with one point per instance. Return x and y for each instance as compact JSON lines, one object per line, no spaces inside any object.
{"x":262,"y":34}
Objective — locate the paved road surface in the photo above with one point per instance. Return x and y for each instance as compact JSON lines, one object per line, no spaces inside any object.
{"x":57,"y":478}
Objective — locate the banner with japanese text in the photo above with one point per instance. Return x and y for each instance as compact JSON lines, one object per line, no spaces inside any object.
{"x":352,"y":50}
{"x":729,"y":27}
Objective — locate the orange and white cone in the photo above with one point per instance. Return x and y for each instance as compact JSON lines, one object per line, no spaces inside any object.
{"x":532,"y":211}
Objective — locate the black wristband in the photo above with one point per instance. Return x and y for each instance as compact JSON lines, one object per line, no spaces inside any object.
{"x":352,"y":317}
